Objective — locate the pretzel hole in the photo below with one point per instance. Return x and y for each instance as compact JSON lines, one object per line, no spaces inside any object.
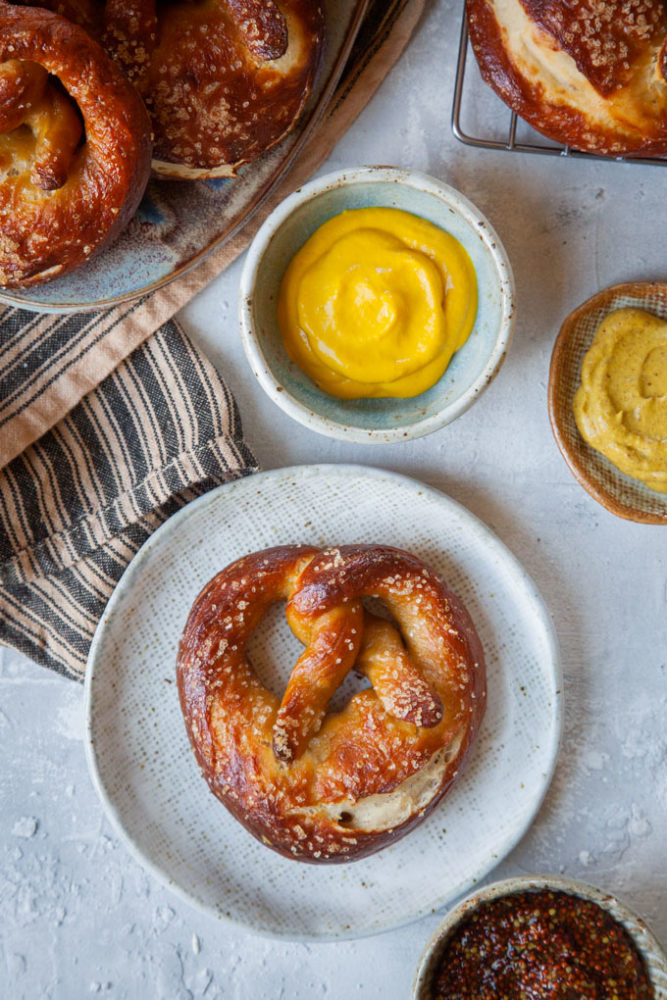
{"x":377,"y":607}
{"x":352,"y":684}
{"x":273,"y":649}
{"x":345,"y":818}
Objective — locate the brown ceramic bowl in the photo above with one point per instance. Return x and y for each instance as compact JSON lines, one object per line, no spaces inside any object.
{"x":652,"y":953}
{"x":616,"y":492}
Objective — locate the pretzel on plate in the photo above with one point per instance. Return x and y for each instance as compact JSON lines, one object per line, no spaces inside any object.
{"x":75,"y":147}
{"x":313,"y":784}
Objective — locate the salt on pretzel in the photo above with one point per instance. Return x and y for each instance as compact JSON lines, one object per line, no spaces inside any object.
{"x":590,"y":74}
{"x":316,"y":785}
{"x":75,"y":147}
{"x":223,"y":80}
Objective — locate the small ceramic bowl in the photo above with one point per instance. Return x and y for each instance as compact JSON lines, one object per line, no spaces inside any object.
{"x":374,"y":420}
{"x":654,"y":957}
{"x":618,"y":493}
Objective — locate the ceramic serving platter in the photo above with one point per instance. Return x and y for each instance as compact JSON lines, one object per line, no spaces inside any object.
{"x":179,"y":222}
{"x":145,"y":770}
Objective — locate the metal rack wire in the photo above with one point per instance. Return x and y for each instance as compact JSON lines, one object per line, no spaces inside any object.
{"x":512,"y":143}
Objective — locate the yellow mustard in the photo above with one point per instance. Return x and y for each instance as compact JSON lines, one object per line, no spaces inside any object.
{"x":376,"y":302}
{"x":621,"y":405}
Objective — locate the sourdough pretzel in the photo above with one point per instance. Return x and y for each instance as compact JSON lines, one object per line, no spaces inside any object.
{"x":74,"y":147}
{"x":316,"y":785}
{"x":591,"y":74}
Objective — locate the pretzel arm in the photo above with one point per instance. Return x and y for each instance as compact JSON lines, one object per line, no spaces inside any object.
{"x":398,"y":683}
{"x":317,"y":674}
{"x":21,"y":87}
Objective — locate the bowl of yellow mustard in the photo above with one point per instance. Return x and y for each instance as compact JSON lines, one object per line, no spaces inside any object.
{"x":376,"y":304}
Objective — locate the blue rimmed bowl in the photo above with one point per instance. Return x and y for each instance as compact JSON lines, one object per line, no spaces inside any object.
{"x":375,"y":420}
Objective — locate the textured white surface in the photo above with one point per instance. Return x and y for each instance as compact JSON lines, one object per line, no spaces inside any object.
{"x":146,"y":770}
{"x":79,"y":918}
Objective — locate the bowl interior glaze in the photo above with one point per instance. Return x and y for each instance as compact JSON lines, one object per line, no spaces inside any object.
{"x":373,"y":420}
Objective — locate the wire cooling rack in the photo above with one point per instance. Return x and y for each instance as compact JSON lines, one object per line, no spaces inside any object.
{"x":514,"y":135}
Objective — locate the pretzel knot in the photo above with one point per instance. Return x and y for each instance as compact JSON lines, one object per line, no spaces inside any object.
{"x":311,"y":783}
{"x":74,"y":147}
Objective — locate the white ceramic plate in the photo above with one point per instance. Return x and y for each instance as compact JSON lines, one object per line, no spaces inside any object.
{"x":146,"y":773}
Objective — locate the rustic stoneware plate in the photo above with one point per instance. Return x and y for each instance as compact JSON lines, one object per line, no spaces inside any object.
{"x":653,"y":955}
{"x":180,"y":222}
{"x":375,"y":421}
{"x":146,"y":773}
{"x":620,"y":494}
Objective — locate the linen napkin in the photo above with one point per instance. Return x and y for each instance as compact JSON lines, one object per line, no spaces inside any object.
{"x":75,"y":506}
{"x":107,"y":427}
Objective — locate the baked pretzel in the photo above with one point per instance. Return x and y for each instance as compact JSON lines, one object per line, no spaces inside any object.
{"x":75,"y":147}
{"x":590,"y":74}
{"x":223,"y":80}
{"x":315,"y":785}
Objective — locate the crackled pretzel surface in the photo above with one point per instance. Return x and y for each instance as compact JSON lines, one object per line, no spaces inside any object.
{"x":314,"y":784}
{"x":591,"y":74}
{"x":74,"y":147}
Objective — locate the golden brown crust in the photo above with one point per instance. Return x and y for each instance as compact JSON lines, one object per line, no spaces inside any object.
{"x":65,"y":192}
{"x":590,"y":75}
{"x":223,"y":80}
{"x":332,"y":787}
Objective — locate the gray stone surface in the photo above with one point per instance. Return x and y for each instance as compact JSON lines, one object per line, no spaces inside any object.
{"x":79,"y":917}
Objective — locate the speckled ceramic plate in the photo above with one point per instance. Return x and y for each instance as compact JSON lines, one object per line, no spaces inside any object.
{"x":620,"y":494}
{"x":179,"y":222}
{"x":145,"y":770}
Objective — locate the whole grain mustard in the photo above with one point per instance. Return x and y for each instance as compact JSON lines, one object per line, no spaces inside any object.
{"x":376,"y":302}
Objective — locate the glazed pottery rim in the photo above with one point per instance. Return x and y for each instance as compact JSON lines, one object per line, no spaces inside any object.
{"x":641,"y":935}
{"x":461,"y":206}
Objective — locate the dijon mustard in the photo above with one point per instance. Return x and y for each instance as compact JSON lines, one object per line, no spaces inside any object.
{"x":621,"y":405}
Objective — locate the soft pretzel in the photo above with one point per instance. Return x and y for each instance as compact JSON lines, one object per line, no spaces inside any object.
{"x":591,"y":74}
{"x":74,"y":147}
{"x":324,"y":786}
{"x":223,"y":80}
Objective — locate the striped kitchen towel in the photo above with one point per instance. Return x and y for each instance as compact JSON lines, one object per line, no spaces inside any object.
{"x":75,"y":506}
